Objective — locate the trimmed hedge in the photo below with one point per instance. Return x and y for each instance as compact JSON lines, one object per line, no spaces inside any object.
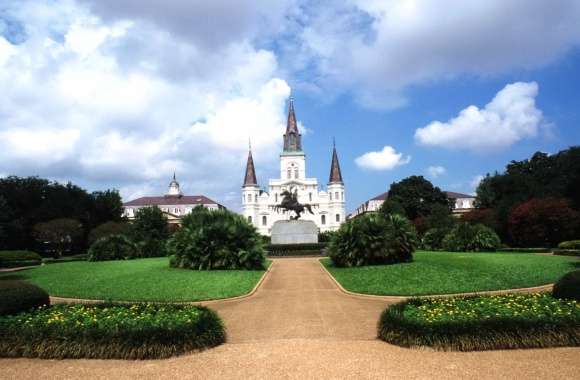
{"x":567,"y":252}
{"x":142,"y":331}
{"x":525,"y":250}
{"x":13,"y":259}
{"x":482,"y":323}
{"x":571,"y":244}
{"x":568,"y":287}
{"x":307,"y":249}
{"x":17,"y":296}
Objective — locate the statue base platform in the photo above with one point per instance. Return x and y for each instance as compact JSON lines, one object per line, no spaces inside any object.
{"x":294,"y":232}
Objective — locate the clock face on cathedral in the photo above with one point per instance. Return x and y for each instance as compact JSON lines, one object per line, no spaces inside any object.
{"x":259,"y":207}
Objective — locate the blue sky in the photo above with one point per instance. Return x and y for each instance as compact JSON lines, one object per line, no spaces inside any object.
{"x":120,"y":93}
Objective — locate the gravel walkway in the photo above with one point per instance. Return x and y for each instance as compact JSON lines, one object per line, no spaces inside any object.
{"x":299,"y":325}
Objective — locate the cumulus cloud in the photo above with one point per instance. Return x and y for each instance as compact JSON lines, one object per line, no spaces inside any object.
{"x":122,"y":103}
{"x":475,"y":182}
{"x":436,"y":171}
{"x":385,"y":159}
{"x":511,"y":116}
{"x":377,"y":49}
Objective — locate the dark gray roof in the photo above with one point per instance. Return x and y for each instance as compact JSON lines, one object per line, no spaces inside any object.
{"x":454,"y":195}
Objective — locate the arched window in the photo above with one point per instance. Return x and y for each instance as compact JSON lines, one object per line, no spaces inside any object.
{"x":249,"y":197}
{"x":250,"y":219}
{"x":276,"y":197}
{"x":256,"y":198}
{"x":336,"y":195}
{"x":323,"y":219}
{"x":264,"y":220}
{"x":330,"y":194}
{"x":310,"y":197}
{"x":296,"y":173}
{"x":289,"y":173}
{"x":338,"y":217}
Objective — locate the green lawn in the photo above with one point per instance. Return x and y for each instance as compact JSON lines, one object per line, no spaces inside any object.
{"x":137,"y":280}
{"x":454,"y":272}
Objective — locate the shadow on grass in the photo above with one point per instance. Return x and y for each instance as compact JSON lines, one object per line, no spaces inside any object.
{"x":9,"y":277}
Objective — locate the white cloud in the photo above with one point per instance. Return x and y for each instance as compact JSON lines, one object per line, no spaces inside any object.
{"x":385,"y":159}
{"x":511,"y":116}
{"x":117,"y":103}
{"x":377,"y":49}
{"x":436,"y":171}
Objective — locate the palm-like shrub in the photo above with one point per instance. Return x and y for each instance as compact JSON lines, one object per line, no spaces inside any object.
{"x":112,"y":247}
{"x":373,"y":239}
{"x":465,"y":237}
{"x":216,"y":240}
{"x":433,"y":239}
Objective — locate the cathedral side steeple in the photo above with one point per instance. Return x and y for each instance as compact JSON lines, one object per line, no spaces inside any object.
{"x":292,"y":137}
{"x":335,"y":173}
{"x":250,"y":178}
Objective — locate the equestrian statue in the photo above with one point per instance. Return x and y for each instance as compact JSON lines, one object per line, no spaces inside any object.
{"x":290,"y":203}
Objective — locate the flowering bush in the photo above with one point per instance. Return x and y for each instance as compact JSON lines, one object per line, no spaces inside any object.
{"x":543,"y":222}
{"x":483,"y":322}
{"x":141,"y":331}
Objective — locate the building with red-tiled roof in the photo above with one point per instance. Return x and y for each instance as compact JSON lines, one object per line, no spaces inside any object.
{"x":173,"y":204}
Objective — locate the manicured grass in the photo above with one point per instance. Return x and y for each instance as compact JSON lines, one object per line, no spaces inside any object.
{"x":143,"y":331}
{"x":454,"y":272}
{"x":483,"y":322}
{"x":137,"y":280}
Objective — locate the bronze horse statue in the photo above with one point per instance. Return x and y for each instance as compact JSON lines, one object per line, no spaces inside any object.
{"x":290,"y":203}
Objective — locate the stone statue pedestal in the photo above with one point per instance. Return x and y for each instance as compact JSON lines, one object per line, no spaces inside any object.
{"x":294,"y":232}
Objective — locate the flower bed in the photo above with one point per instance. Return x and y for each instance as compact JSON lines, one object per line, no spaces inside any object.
{"x":144,"y":331}
{"x":483,"y":322}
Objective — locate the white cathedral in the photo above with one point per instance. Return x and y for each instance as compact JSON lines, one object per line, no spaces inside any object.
{"x":258,"y":206}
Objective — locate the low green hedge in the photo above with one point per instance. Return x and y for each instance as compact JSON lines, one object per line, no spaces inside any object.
{"x":526,"y":250}
{"x":567,"y":252}
{"x":13,"y":259}
{"x":142,"y":331}
{"x":65,"y":259}
{"x":305,"y":249}
{"x":483,"y":322}
{"x":17,"y":296}
{"x":572,"y":244}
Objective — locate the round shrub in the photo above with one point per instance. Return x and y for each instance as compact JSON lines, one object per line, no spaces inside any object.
{"x":373,"y":239}
{"x":108,"y":229}
{"x":112,"y":247}
{"x":151,"y":248}
{"x":465,"y":238}
{"x":217,"y":239}
{"x":568,"y":287}
{"x":433,"y":239}
{"x":18,"y":296}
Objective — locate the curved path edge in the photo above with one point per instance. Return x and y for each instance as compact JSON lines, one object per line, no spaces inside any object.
{"x":533,"y":289}
{"x":69,"y":300}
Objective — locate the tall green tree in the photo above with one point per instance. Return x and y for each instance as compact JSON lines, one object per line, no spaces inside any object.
{"x":416,"y":196}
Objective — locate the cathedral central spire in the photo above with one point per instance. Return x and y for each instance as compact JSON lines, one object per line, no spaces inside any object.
{"x":292,"y":137}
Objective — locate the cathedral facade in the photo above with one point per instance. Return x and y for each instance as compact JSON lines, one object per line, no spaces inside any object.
{"x":328,"y":206}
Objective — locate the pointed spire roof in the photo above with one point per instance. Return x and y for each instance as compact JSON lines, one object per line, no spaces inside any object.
{"x":335,"y":174}
{"x":292,"y":137}
{"x":250,"y":178}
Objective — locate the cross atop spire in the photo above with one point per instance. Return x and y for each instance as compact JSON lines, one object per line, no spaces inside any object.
{"x":250,"y":178}
{"x":292,"y":137}
{"x":335,"y":174}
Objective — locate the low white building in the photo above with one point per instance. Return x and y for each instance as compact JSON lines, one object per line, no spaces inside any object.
{"x":328,"y":206}
{"x":462,"y":203}
{"x":173,"y":204}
